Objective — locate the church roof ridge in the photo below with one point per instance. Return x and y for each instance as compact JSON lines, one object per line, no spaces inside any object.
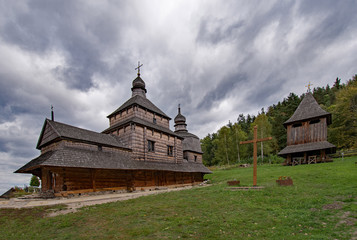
{"x":308,"y":109}
{"x":86,"y":158}
{"x":66,"y":131}
{"x":141,"y":101}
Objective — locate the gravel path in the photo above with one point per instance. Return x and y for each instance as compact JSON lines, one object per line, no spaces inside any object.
{"x":74,"y":203}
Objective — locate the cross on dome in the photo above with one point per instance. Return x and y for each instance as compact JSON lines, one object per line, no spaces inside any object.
{"x":138,"y":68}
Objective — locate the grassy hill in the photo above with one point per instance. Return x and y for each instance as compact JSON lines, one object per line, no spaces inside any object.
{"x":322,"y":204}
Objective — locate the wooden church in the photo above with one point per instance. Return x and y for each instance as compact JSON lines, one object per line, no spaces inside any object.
{"x":307,"y":134}
{"x":137,"y":151}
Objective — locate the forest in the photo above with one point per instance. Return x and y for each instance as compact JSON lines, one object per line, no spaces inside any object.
{"x":223,"y":148}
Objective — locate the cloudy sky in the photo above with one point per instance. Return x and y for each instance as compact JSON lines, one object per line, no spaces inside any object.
{"x":216,"y":58}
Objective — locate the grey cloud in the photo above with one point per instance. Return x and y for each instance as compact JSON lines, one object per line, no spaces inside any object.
{"x":226,"y":86}
{"x":214,"y":31}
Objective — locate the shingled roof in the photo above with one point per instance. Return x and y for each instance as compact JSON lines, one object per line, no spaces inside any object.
{"x":191,"y":142}
{"x":141,"y":122}
{"x":63,"y":131}
{"x":313,"y":146}
{"x":308,"y":109}
{"x":84,"y":158}
{"x":143,"y":102}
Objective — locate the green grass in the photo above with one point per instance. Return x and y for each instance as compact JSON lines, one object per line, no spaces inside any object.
{"x":322,"y":204}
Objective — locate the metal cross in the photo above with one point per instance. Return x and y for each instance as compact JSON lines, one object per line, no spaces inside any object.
{"x":138,"y":68}
{"x":308,"y":87}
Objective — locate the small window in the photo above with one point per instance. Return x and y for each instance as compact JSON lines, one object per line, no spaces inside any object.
{"x":154,"y":120}
{"x":315,"y":121}
{"x":185,"y":156}
{"x":100,"y":148}
{"x":170,"y":150}
{"x":195,"y":158}
{"x":151,"y":146}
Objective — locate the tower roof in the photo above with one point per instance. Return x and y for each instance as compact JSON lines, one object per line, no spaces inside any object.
{"x":139,"y":83}
{"x":179,"y":117}
{"x":308,"y":109}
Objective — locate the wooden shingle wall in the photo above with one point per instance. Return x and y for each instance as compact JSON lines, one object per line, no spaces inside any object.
{"x":307,"y":132}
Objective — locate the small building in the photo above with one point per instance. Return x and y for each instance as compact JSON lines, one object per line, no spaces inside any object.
{"x":137,"y":151}
{"x":307,"y":134}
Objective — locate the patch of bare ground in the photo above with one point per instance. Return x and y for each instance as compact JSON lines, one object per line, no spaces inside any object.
{"x":333,"y":206}
{"x":348,"y":219}
{"x":72,"y":204}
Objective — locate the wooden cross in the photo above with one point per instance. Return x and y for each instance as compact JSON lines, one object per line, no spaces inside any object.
{"x":138,"y":68}
{"x":254,"y":141}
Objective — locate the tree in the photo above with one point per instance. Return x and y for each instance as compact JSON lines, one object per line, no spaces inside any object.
{"x":237,"y":135}
{"x":34,"y":182}
{"x":343,"y":130}
{"x":264,"y":130}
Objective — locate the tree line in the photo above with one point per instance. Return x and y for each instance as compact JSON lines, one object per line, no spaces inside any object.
{"x":340,"y":100}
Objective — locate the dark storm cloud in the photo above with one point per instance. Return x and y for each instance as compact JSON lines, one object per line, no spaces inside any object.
{"x":65,"y":27}
{"x":224,"y":87}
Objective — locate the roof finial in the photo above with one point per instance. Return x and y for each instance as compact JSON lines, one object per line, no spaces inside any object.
{"x":179,"y":109}
{"x":138,"y":68}
{"x":308,"y":87}
{"x":52,"y":114}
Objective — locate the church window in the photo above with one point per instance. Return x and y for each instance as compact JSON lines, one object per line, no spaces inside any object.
{"x":315,"y":121}
{"x":154,"y":120}
{"x":170,"y":150}
{"x":195,"y":158}
{"x":151,"y":146}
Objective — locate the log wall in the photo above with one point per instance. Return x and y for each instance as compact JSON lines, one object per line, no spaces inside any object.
{"x":137,"y":137}
{"x":79,"y":145}
{"x":191,"y":157}
{"x":72,"y":179}
{"x":307,"y":132}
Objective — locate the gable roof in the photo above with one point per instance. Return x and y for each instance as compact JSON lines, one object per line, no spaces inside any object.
{"x":308,"y":109}
{"x":141,"y":122}
{"x":143,"y":102}
{"x":85,"y":158}
{"x":52,"y":131}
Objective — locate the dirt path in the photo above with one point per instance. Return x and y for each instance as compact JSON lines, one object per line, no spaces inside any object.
{"x":74,"y":203}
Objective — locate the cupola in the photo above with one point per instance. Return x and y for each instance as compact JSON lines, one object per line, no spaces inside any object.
{"x":180,"y":121}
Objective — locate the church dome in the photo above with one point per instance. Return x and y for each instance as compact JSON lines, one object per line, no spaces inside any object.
{"x":180,"y":118}
{"x":139,"y":83}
